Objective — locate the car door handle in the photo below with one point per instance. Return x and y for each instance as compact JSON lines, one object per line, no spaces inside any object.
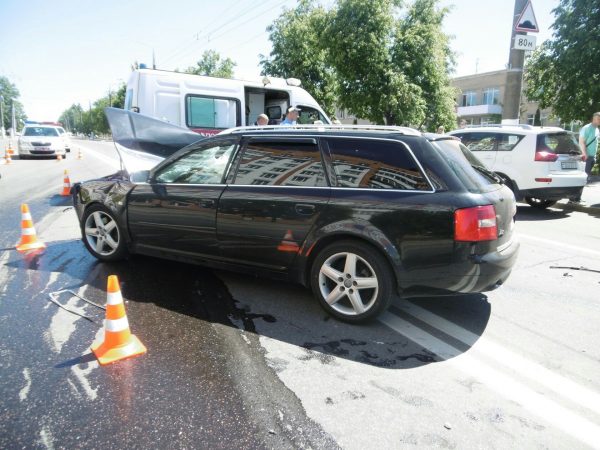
{"x":303,"y":208}
{"x":206,"y":203}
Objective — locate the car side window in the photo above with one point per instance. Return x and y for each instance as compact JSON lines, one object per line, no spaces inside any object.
{"x":281,"y":163}
{"x":479,"y":142}
{"x":375,"y":164}
{"x":506,"y":142}
{"x":309,"y":116}
{"x":205,"y":165}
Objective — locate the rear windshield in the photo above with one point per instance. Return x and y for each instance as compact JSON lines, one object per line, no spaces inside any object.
{"x":561,"y":143}
{"x":472,"y":172}
{"x":40,"y":131}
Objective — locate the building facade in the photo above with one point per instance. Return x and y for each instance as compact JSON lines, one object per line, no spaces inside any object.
{"x":481,"y":98}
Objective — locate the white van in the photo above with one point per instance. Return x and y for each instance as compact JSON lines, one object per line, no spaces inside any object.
{"x":208,"y":105}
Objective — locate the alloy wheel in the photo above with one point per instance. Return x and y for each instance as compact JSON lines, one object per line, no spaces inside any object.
{"x":102,"y":233}
{"x":348,"y":283}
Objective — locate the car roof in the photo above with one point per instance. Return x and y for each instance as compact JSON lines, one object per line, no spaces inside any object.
{"x":521,"y":128}
{"x":372,"y":131}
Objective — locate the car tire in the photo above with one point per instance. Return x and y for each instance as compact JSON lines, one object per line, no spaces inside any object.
{"x":539,"y":203}
{"x":102,"y":235}
{"x":340,"y":269}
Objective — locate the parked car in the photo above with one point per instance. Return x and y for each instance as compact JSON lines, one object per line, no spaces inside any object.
{"x":41,"y":140}
{"x":540,"y":164}
{"x":65,"y":137}
{"x":358,"y":214}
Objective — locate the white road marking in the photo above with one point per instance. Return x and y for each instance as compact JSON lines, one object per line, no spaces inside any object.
{"x":4,"y":271}
{"x":23,"y":393}
{"x":567,"y":421}
{"x":46,"y":438}
{"x":559,"y":244}
{"x":62,"y":324}
{"x":560,"y":385}
{"x":81,"y":374}
{"x":96,"y":154}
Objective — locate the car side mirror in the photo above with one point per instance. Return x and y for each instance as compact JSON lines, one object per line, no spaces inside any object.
{"x":141,"y":176}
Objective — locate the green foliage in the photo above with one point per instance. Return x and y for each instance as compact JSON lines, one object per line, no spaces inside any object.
{"x":299,"y":51}
{"x":380,"y":61}
{"x":563,"y":72}
{"x":80,"y":120}
{"x":212,"y":65}
{"x":10,"y":96}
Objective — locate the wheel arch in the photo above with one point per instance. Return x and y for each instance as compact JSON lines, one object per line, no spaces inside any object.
{"x":388,"y":251}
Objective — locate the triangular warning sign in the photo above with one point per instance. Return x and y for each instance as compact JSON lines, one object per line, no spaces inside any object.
{"x":527,"y":20}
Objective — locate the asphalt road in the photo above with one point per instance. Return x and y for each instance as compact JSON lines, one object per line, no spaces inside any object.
{"x":240,"y":362}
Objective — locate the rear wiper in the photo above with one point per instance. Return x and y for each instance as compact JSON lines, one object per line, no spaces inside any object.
{"x":489,"y":173}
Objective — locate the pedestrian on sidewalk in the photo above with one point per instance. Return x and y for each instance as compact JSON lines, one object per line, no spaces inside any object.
{"x":588,"y":141}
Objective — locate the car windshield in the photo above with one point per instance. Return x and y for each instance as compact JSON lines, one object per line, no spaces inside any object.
{"x":561,"y":143}
{"x":473,"y":173}
{"x":40,"y":131}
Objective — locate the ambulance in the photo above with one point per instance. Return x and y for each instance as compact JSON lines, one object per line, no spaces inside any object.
{"x":208,"y":105}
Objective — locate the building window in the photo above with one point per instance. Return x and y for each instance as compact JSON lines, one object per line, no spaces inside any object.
{"x":469,"y":98}
{"x":491,"y":96}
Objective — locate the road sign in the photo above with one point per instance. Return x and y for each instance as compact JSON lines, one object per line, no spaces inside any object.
{"x":527,"y":21}
{"x":524,"y":42}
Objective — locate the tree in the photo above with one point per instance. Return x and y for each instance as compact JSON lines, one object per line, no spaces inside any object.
{"x":72,"y":119}
{"x":563,"y":72}
{"x":422,"y":51}
{"x":392,"y":63}
{"x":212,"y":65}
{"x":10,"y":96}
{"x":299,"y":51}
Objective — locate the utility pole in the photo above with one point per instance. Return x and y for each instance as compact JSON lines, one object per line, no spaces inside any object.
{"x":13,"y":131}
{"x":514,"y":74}
{"x":2,"y":116}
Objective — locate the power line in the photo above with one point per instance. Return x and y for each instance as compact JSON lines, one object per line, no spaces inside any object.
{"x":206,"y":34}
{"x":227,"y":30}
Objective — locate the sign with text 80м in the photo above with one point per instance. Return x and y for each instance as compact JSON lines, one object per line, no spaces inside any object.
{"x":524,"y":42}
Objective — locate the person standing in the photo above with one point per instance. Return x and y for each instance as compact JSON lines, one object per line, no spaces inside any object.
{"x":291,"y":117}
{"x":588,"y":140}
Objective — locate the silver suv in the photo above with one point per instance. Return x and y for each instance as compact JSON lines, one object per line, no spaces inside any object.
{"x":540,"y":164}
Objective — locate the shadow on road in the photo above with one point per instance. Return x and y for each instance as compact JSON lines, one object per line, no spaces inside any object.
{"x":530,"y":214}
{"x":282,"y":311}
{"x":288,"y":313}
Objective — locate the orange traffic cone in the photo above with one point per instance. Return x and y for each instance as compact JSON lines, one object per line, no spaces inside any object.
{"x":118,"y":342}
{"x":58,"y":158}
{"x":29,"y":239}
{"x":66,"y":190}
{"x":10,"y":150}
{"x":288,"y":244}
{"x":7,"y":157}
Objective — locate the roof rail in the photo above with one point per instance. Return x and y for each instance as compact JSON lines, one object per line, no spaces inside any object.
{"x":324,"y":127}
{"x":524,"y":126}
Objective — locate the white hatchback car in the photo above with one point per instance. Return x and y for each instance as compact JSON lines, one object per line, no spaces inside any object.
{"x":540,"y":164}
{"x":41,"y":140}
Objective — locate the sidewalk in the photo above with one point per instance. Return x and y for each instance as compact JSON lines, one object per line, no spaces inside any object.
{"x":590,"y":198}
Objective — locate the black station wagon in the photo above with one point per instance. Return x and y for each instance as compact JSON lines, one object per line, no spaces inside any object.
{"x":358,"y":214}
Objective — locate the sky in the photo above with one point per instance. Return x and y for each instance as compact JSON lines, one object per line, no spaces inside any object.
{"x":73,"y":51}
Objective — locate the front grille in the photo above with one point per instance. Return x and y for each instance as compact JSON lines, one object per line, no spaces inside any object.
{"x":42,"y":152}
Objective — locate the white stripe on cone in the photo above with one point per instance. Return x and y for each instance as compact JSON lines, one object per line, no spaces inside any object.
{"x":114,"y":298}
{"x":26,"y":216}
{"x":28,"y":232}
{"x":116,"y":325}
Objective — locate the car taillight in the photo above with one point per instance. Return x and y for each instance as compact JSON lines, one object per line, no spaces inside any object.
{"x":475,"y":224}
{"x":545,"y":156}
